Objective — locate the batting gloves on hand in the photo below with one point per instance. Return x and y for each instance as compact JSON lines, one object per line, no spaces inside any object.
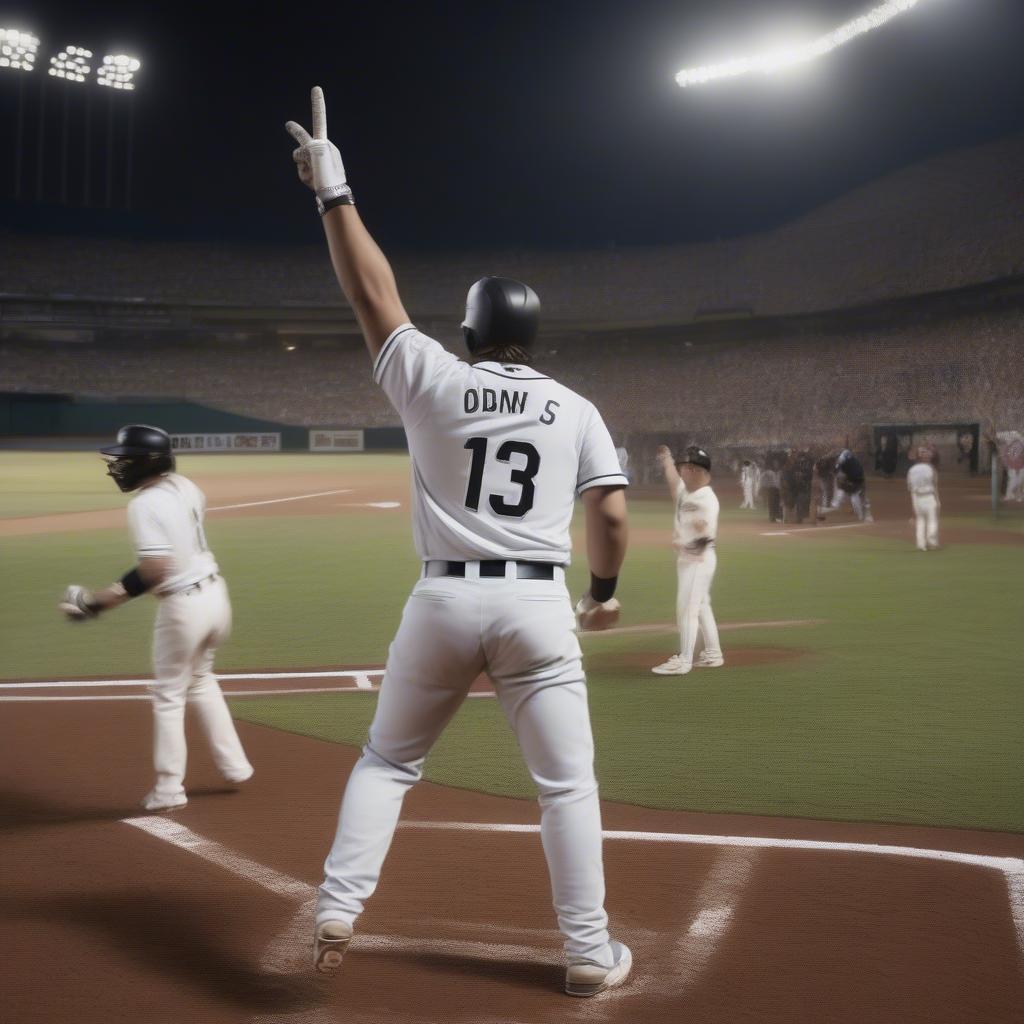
{"x":77,"y":604}
{"x":593,"y":615}
{"x":318,"y":160}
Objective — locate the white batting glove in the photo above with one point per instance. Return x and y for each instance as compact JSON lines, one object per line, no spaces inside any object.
{"x":592,"y":615}
{"x":77,"y":603}
{"x":318,"y":160}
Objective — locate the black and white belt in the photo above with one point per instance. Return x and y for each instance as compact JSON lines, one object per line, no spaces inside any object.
{"x":491,"y":569}
{"x":198,"y":585}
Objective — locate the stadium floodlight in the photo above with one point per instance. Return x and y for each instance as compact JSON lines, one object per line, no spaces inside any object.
{"x":18,"y":50}
{"x":118,"y":71}
{"x":72,"y":64}
{"x":777,"y":60}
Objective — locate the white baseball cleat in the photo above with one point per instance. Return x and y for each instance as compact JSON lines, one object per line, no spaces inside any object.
{"x":237,"y":780}
{"x":587,"y":979}
{"x":329,"y":944}
{"x":705,"y":662}
{"x":675,"y":666}
{"x":157,"y":801}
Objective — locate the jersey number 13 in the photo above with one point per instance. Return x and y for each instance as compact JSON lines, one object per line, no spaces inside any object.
{"x":523,"y":477}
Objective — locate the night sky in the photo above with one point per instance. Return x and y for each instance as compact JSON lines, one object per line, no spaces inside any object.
{"x":514,"y":122}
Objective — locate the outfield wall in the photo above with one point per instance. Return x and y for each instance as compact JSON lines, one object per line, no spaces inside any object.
{"x":63,"y":421}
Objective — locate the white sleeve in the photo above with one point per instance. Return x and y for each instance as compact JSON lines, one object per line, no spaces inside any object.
{"x":150,"y":537}
{"x":598,"y":464}
{"x":408,"y":366}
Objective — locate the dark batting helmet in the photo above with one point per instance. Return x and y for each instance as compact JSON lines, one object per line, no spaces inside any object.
{"x":696,"y":456}
{"x":500,"y":313}
{"x":141,"y":452}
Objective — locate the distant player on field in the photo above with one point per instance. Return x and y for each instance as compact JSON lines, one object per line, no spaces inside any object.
{"x":923,"y":484}
{"x":693,"y":536}
{"x":851,"y":482}
{"x":499,"y":453}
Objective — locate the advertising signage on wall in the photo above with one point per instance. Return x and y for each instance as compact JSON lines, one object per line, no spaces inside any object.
{"x":226,"y":442}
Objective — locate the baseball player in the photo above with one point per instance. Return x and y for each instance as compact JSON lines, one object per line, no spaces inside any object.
{"x":923,"y":484}
{"x":850,"y":480}
{"x":748,"y":482}
{"x":194,"y":616}
{"x":499,"y":452}
{"x":696,"y":526}
{"x":1010,"y":444}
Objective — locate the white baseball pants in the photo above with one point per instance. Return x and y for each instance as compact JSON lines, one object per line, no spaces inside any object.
{"x":189,"y":628}
{"x":926,"y":520}
{"x":858,"y":500}
{"x":522,"y":632}
{"x":1014,"y":485}
{"x":748,"y":494}
{"x":693,"y":606}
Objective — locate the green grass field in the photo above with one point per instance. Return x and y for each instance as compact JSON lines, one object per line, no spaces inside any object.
{"x":903,"y":704}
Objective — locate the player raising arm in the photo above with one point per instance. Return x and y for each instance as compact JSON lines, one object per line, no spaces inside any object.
{"x":499,"y":453}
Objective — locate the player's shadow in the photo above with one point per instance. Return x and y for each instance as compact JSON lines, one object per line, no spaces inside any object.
{"x":188,"y":937}
{"x":519,"y":973}
{"x":29,"y":810}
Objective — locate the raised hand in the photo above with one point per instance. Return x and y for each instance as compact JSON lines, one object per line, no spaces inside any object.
{"x":317,"y":158}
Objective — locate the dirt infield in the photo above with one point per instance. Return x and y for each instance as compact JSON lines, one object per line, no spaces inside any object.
{"x":106,"y":922}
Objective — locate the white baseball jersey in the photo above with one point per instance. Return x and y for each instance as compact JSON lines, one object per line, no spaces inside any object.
{"x":921,"y":478}
{"x":166,"y":520}
{"x":499,"y":452}
{"x":696,"y":516}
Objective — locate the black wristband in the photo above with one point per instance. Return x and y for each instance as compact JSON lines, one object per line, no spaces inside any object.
{"x":345,"y":199}
{"x":602,"y":590}
{"x":133,"y":583}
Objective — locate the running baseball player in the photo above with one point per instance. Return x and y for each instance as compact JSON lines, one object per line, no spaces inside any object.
{"x":695,"y":529}
{"x":748,"y":483}
{"x":850,"y":481}
{"x":923,"y":484}
{"x":499,"y":452}
{"x":194,"y":615}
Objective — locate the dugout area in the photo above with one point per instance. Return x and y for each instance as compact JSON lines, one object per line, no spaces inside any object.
{"x":750,"y":810}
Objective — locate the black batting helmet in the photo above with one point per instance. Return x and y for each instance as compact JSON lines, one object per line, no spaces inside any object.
{"x":141,"y":452}
{"x":500,"y":313}
{"x":696,"y":456}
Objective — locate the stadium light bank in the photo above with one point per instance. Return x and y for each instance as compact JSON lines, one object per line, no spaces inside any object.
{"x":774,"y":61}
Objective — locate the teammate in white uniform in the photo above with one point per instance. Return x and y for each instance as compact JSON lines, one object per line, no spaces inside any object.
{"x":1011,"y":451}
{"x":499,"y":452}
{"x":694,"y":531}
{"x":923,"y":484}
{"x":194,"y":615}
{"x":748,"y":482}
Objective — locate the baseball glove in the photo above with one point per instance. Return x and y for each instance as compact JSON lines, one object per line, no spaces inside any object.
{"x":592,"y":615}
{"x":77,"y":604}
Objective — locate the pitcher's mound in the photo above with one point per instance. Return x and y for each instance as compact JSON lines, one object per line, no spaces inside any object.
{"x":735,"y":657}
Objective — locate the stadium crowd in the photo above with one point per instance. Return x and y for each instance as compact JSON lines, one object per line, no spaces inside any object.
{"x":759,"y":391}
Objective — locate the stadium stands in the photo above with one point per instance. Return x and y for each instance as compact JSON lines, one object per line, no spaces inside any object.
{"x":758,"y":390}
{"x":950,"y":222}
{"x":638,"y":331}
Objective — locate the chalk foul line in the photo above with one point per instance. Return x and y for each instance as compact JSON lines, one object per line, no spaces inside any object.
{"x":170,"y":831}
{"x":277,"y":501}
